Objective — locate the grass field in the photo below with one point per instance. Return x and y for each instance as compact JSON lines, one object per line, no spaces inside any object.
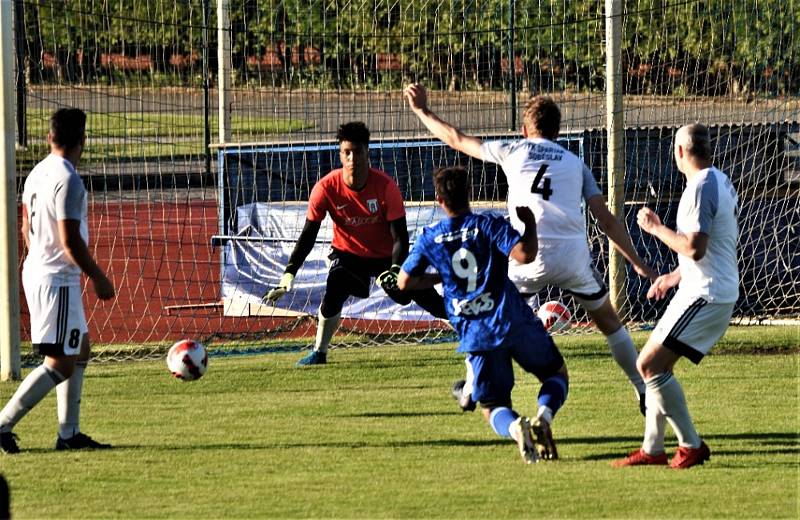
{"x":375,"y":434}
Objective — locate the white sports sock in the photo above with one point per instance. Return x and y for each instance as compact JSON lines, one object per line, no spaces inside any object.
{"x":654,"y":426}
{"x":325,"y":330}
{"x":545,"y":413}
{"x":668,"y":395}
{"x":68,"y":397}
{"x":624,"y":353}
{"x":33,"y":388}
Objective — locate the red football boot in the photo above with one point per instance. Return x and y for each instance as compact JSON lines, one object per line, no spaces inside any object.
{"x":688,"y":457}
{"x":641,"y":458}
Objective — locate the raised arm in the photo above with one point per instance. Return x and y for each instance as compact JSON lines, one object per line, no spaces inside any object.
{"x":453,"y":137}
{"x":618,"y":235}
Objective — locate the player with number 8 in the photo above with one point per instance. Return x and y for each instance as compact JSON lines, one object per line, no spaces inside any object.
{"x":55,"y":231}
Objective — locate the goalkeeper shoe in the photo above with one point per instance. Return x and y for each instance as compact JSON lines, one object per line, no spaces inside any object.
{"x":543,"y":439}
{"x":80,"y":441}
{"x":8,"y":443}
{"x":465,"y":402}
{"x":641,"y":458}
{"x":522,"y":432}
{"x":687,"y":457}
{"x":313,"y":358}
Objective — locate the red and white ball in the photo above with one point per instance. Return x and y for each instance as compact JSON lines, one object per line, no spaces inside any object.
{"x":555,"y":316}
{"x":187,"y":360}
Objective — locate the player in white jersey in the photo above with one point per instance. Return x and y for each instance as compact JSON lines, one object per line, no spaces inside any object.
{"x":55,"y":231}
{"x":553,"y":182}
{"x":700,"y":311}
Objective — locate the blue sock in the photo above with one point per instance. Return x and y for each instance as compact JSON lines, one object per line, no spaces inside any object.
{"x":554,"y":392}
{"x":500,"y":419}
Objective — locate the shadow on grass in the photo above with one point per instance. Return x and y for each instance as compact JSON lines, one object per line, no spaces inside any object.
{"x":789,"y":442}
{"x":400,"y":414}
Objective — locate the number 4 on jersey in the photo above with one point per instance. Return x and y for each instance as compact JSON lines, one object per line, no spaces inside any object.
{"x":545,"y":190}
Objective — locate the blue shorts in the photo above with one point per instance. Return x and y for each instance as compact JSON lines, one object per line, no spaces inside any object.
{"x":493,"y":373}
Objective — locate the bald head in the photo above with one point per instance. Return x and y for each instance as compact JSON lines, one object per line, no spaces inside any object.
{"x":695,"y":140}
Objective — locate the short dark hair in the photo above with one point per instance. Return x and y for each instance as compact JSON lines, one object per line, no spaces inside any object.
{"x":68,"y":127}
{"x":542,"y":116}
{"x":698,"y":142}
{"x":354,"y":131}
{"x":452,"y":185}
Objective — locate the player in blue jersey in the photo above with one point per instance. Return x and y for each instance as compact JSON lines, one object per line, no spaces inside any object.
{"x":555,"y":184}
{"x":470,"y":253}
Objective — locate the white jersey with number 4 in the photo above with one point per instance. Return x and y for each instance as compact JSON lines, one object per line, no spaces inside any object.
{"x":53,"y":191}
{"x":547,"y":178}
{"x":709,"y":205}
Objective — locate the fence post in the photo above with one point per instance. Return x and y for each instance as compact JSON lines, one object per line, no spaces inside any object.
{"x":616,"y":145}
{"x":512,"y":72}
{"x":9,"y":273}
{"x":224,"y":69}
{"x":206,"y":88}
{"x":19,"y":35}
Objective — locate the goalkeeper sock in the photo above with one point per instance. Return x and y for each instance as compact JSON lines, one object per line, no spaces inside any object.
{"x":326,"y":327}
{"x":624,"y":353}
{"x":32,"y":390}
{"x":500,"y":419}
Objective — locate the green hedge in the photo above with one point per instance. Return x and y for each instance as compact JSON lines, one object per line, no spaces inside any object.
{"x":714,"y":47}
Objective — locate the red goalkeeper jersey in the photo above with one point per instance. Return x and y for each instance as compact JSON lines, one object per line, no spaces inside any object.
{"x":360,"y":218}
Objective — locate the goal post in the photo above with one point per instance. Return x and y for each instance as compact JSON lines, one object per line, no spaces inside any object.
{"x":9,"y":267}
{"x":615,"y":127}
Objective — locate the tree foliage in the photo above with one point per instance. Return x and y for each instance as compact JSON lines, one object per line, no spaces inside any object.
{"x":705,"y":47}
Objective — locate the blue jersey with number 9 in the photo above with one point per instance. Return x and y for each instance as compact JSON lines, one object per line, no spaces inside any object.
{"x":471,"y":254}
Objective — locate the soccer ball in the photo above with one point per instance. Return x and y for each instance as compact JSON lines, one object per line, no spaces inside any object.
{"x":555,"y":316}
{"x":187,"y":360}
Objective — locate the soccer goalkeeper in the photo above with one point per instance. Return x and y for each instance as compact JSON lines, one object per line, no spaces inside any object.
{"x":370,"y":238}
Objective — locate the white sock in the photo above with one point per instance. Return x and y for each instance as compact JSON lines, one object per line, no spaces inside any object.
{"x":654,"y":426}
{"x":668,"y":395}
{"x":33,"y":388}
{"x":325,"y":330}
{"x":68,"y":397}
{"x":545,"y":413}
{"x":624,"y":353}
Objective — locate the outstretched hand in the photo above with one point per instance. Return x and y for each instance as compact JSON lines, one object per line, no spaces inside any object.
{"x":417,"y":96}
{"x":284,"y":286}
{"x":388,"y":279}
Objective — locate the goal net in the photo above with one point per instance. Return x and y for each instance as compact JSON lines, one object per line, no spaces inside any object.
{"x":169,"y":209}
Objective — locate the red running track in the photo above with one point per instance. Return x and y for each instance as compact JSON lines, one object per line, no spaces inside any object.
{"x":159,"y":254}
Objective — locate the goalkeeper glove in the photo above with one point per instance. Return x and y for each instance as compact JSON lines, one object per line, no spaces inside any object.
{"x":388,"y":279}
{"x":284,"y":286}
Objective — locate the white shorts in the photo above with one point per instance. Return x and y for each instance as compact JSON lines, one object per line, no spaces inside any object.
{"x":58,"y":322}
{"x":565,"y":264}
{"x":692,"y":325}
